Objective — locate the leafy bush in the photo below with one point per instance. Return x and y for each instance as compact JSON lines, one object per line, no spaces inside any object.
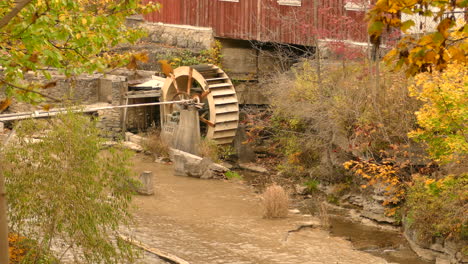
{"x":209,"y":56}
{"x":63,"y":189}
{"x":155,"y":144}
{"x":321,"y":121}
{"x":437,"y":208}
{"x":233,"y":175}
{"x":444,"y":116}
{"x":312,"y":185}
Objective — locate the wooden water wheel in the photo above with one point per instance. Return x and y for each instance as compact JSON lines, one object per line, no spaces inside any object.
{"x":207,"y":83}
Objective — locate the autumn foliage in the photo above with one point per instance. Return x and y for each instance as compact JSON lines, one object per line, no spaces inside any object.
{"x":443,"y":118}
{"x":73,"y":37}
{"x":446,"y":42}
{"x":16,"y":249}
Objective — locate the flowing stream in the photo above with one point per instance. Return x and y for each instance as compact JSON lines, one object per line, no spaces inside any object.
{"x":213,"y":221}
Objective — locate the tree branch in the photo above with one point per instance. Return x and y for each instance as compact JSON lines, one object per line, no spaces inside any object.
{"x":20,"y":4}
{"x":29,"y":91}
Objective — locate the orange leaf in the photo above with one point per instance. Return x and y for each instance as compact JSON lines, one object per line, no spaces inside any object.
{"x":4,"y":104}
{"x":49,"y":85}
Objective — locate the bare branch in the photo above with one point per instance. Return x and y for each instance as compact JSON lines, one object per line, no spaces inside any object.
{"x":29,"y":91}
{"x":20,"y":4}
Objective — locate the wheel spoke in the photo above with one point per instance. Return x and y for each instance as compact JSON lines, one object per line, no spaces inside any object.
{"x":189,"y":83}
{"x":206,"y":121}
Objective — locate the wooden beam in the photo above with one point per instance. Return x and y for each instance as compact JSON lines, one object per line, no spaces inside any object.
{"x":155,"y":251}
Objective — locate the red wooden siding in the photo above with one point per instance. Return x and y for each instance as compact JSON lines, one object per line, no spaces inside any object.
{"x":265,"y":20}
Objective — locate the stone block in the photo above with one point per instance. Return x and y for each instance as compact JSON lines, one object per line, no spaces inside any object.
{"x":244,"y":152}
{"x":186,"y":164}
{"x":146,"y":179}
{"x":179,"y":164}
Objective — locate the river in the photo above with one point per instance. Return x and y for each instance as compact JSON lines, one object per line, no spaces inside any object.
{"x":213,"y":221}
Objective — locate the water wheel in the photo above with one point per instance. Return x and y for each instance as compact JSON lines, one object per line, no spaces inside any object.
{"x":207,"y":83}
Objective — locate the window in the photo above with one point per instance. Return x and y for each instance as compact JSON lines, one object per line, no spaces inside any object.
{"x":353,"y":5}
{"x":290,"y":2}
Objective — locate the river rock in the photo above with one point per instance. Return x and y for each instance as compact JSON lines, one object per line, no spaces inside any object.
{"x":372,"y":207}
{"x":253,"y":167}
{"x":186,"y":164}
{"x":133,"y":138}
{"x":294,"y":211}
{"x":132,"y":146}
{"x":440,"y":260}
{"x":300,"y":189}
{"x":356,"y":200}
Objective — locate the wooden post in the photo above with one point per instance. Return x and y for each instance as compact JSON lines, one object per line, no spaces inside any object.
{"x":124,"y":119}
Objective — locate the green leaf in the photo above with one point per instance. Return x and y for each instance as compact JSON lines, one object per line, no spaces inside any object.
{"x":407,"y":25}
{"x":375,"y":29}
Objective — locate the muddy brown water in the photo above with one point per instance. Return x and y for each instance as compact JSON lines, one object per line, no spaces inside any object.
{"x":213,"y":221}
{"x":386,"y":244}
{"x":378,"y":240}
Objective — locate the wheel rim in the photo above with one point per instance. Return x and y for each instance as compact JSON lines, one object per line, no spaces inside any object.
{"x":214,"y":88}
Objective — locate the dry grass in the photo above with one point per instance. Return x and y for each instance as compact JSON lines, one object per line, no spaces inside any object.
{"x":208,"y":149}
{"x":275,"y":202}
{"x":323,"y":215}
{"x":154,"y":144}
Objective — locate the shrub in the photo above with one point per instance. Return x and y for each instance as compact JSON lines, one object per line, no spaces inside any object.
{"x":154,"y":143}
{"x":444,"y":116}
{"x":312,"y":185}
{"x":62,"y":188}
{"x":321,"y":122}
{"x":275,"y":202}
{"x":210,"y":56}
{"x":232,"y":175}
{"x":208,"y":149}
{"x":437,"y":208}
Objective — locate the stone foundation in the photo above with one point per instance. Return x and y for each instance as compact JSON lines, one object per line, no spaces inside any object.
{"x":94,"y":90}
{"x":182,"y":36}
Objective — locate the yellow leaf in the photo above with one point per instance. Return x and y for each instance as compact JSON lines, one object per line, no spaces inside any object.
{"x":443,"y":27}
{"x":46,"y":107}
{"x":143,"y":57}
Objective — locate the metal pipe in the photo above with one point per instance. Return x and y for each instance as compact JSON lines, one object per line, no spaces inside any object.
{"x":39,"y":114}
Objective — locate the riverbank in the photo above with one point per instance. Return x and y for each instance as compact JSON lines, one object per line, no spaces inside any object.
{"x":211,"y":221}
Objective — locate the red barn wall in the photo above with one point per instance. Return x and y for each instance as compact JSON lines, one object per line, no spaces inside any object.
{"x":265,"y":20}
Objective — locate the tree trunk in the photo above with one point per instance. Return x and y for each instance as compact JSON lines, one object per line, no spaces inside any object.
{"x":4,"y":252}
{"x":3,"y":221}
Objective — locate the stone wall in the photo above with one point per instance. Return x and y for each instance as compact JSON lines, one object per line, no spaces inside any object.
{"x":182,"y":36}
{"x":94,"y":91}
